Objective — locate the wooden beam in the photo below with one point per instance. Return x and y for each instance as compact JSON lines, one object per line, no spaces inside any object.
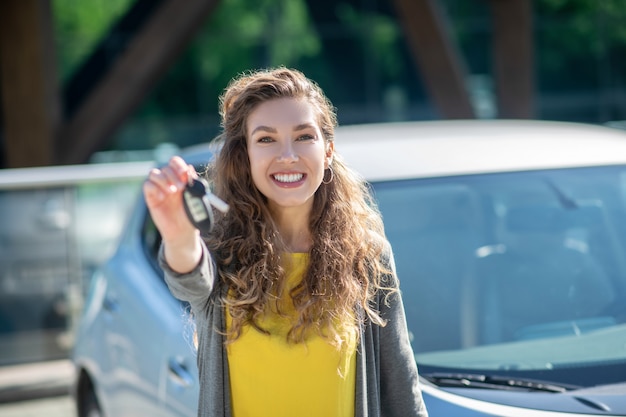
{"x":148,"y":55}
{"x":30,"y":94}
{"x":513,"y":58}
{"x":438,"y":60}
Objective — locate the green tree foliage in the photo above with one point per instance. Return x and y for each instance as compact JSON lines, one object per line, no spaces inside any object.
{"x":581,"y":43}
{"x":378,"y":37}
{"x":79,"y":26}
{"x":357,"y":52}
{"x":238,"y":36}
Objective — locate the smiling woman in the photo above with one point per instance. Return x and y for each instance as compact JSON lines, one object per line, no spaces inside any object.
{"x":288,"y":158}
{"x":294,"y":290}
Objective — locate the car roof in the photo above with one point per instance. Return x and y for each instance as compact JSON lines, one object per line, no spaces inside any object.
{"x":442,"y":148}
{"x":422,"y":149}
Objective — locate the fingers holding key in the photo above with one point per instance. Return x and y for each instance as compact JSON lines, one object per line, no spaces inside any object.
{"x":168,"y":181}
{"x":163,"y":195}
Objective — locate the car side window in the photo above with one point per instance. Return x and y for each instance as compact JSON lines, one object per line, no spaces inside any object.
{"x":151,"y":242}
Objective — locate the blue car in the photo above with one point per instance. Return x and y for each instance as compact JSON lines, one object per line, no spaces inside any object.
{"x":510,"y":244}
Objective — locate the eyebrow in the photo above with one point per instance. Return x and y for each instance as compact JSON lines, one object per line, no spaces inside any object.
{"x":303,"y":126}
{"x":268,"y":129}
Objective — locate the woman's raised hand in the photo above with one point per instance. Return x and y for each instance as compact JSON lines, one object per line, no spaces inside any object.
{"x":163,"y":194}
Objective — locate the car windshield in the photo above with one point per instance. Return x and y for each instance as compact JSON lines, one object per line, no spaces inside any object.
{"x":514,"y":273}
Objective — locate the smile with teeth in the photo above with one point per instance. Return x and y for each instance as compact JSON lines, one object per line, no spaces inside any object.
{"x":295,"y":177}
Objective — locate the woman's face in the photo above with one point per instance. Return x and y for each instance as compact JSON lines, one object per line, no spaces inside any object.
{"x":287,"y":152}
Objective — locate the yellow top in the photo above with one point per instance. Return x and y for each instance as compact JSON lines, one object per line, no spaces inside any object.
{"x":270,"y":377}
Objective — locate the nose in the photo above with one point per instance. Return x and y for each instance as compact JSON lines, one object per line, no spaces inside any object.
{"x":287,"y":153}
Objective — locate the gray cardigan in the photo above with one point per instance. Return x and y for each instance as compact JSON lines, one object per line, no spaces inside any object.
{"x":386,"y":377}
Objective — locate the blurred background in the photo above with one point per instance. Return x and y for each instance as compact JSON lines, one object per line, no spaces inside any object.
{"x":123,"y":84}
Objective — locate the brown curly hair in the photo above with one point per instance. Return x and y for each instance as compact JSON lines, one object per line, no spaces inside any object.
{"x":346,"y":266}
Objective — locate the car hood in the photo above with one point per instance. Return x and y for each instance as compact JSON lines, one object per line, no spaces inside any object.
{"x":608,"y":400}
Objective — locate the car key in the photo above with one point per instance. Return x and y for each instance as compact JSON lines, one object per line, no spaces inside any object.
{"x":199,"y":203}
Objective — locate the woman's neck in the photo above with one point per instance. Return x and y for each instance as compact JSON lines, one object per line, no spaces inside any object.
{"x":293,"y":226}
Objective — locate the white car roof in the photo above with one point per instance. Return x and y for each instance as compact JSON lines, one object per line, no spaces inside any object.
{"x":387,"y":151}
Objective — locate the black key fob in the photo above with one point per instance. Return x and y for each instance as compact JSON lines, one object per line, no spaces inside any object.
{"x":197,"y":206}
{"x":199,"y":202}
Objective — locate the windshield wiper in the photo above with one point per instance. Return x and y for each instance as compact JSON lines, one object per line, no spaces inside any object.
{"x":443,"y":379}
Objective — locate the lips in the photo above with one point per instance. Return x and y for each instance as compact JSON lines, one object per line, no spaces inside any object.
{"x":288,"y":178}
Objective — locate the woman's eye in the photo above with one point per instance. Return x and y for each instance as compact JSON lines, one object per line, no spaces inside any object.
{"x":306,"y":137}
{"x":265,"y":139}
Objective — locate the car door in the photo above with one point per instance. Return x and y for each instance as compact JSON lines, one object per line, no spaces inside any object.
{"x":151,"y":362}
{"x":134,"y":343}
{"x":181,"y":374}
{"x":179,"y":382}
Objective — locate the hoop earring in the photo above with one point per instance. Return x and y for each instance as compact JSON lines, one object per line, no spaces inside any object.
{"x":332,"y":176}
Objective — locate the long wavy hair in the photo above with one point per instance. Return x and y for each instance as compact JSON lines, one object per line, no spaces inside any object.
{"x":346,"y":266}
